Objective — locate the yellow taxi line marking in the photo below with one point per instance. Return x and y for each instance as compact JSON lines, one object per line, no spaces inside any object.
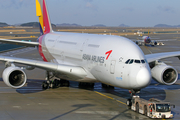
{"x":148,"y":49}
{"x":110,"y":97}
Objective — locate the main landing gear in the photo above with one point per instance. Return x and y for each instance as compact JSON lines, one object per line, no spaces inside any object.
{"x":86,"y":85}
{"x":133,"y":93}
{"x":53,"y":83}
{"x":107,"y":86}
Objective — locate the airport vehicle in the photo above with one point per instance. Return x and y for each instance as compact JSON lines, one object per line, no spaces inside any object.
{"x":153,"y":108}
{"x":88,"y":58}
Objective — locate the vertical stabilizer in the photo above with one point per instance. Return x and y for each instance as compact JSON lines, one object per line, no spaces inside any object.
{"x":42,"y":13}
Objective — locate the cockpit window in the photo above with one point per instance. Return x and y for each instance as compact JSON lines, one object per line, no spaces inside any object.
{"x":137,"y":61}
{"x":127,"y":61}
{"x":131,"y":61}
{"x":143,"y":61}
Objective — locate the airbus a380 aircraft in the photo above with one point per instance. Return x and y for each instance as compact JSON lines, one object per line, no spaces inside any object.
{"x":112,"y":60}
{"x":146,"y":40}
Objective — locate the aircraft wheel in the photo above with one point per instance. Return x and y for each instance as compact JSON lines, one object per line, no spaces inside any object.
{"x":86,"y":85}
{"x":107,"y":86}
{"x":91,"y":85}
{"x":45,"y":85}
{"x":51,"y":85}
{"x":64,"y":83}
{"x":56,"y":83}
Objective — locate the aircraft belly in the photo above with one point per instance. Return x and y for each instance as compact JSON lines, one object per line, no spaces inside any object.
{"x":77,"y":79}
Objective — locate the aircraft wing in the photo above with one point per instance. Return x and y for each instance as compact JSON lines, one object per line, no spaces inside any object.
{"x":157,"y":56}
{"x":67,"y":70}
{"x":20,"y":42}
{"x":137,"y":40}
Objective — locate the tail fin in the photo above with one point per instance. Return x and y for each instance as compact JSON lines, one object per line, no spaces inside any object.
{"x":42,"y":13}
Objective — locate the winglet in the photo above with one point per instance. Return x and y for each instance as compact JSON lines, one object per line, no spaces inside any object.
{"x":44,"y":20}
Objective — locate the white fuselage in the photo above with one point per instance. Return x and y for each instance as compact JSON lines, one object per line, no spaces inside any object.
{"x":103,"y":57}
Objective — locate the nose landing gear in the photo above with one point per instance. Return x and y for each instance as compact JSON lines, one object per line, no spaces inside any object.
{"x":133,"y":93}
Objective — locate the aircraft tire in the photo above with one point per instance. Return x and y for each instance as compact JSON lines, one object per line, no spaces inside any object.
{"x":45,"y":85}
{"x":56,"y":83}
{"x":107,"y":86}
{"x":64,"y":83}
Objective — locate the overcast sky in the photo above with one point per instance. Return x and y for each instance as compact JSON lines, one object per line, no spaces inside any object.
{"x":136,"y":13}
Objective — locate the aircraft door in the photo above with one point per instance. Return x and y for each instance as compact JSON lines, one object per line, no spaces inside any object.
{"x":112,"y":66}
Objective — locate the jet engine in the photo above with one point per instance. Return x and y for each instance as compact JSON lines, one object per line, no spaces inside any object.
{"x":14,"y":77}
{"x":164,"y":74}
{"x":139,"y":43}
{"x":155,"y":43}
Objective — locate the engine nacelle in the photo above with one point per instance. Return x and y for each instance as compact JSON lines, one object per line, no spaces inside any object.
{"x":155,"y":43}
{"x":137,"y":42}
{"x":14,"y":77}
{"x":164,"y":74}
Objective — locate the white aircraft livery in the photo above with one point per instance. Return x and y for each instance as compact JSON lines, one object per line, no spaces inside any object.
{"x":87,"y":58}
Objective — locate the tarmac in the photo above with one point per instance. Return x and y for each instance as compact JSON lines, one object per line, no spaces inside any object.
{"x":72,"y":103}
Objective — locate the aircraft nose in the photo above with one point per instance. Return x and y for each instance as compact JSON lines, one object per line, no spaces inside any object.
{"x":143,"y":77}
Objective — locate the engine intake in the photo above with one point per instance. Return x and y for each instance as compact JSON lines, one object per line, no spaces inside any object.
{"x":14,"y":77}
{"x":164,"y":74}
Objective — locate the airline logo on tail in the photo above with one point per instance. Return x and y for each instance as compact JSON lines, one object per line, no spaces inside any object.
{"x":42,"y":13}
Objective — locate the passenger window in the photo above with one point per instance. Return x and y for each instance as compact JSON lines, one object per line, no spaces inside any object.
{"x":137,"y":61}
{"x":142,"y":61}
{"x":131,"y":61}
{"x":127,"y":61}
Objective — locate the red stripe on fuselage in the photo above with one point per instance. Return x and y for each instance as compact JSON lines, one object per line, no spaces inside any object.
{"x":40,"y":49}
{"x":45,"y":19}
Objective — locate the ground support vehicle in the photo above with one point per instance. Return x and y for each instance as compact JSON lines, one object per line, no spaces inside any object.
{"x":153,"y":108}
